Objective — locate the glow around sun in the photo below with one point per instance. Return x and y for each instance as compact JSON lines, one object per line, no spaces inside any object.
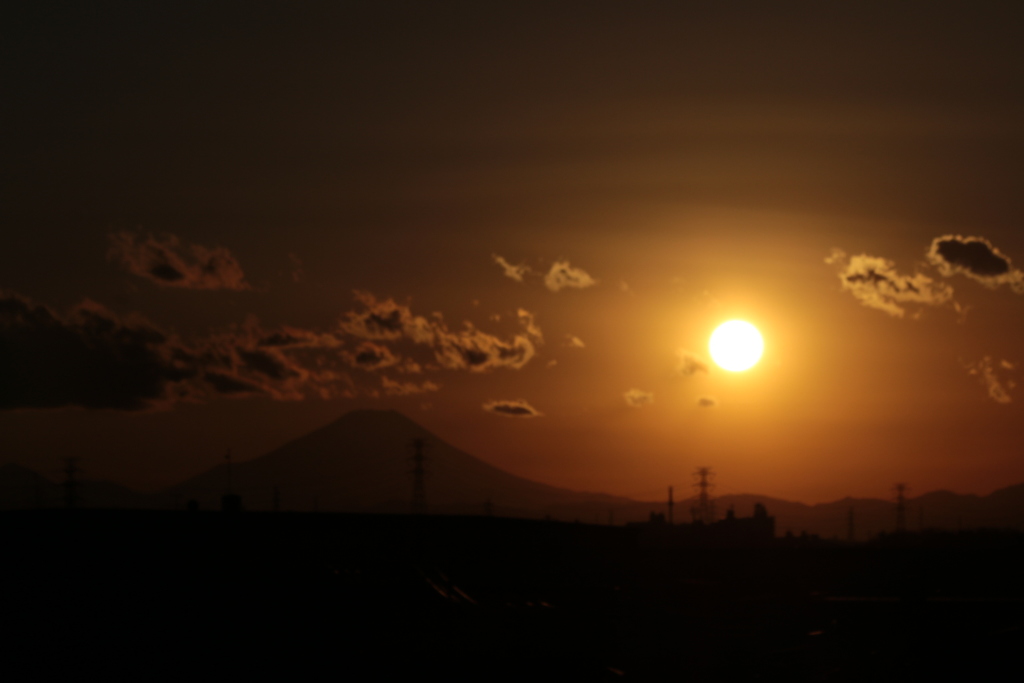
{"x":736,"y":345}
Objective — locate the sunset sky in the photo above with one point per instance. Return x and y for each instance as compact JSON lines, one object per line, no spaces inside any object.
{"x":519,"y":224}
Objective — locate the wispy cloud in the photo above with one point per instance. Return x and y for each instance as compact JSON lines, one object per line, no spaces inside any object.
{"x":517,"y":408}
{"x":563,"y":275}
{"x":574,"y":342}
{"x":528,"y":321}
{"x":707,"y":402}
{"x":515,"y":272}
{"x":875,"y":282}
{"x":169,"y":263}
{"x":690,"y":363}
{"x":637,"y":398}
{"x":987,"y":372}
{"x":976,"y":258}
{"x":393,"y":388}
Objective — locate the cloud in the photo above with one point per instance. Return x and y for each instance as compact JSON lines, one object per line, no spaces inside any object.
{"x":876,"y":283}
{"x":690,"y":363}
{"x":526,"y":319}
{"x":516,"y":272}
{"x":707,"y":402}
{"x":635,"y":398}
{"x":574,"y":342}
{"x":976,"y":258}
{"x":393,"y":388}
{"x":386,"y":320}
{"x":93,"y":358}
{"x":988,"y":374}
{"x":519,"y":408}
{"x":466,"y":349}
{"x":564,"y":275}
{"x":371,"y":356}
{"x":168,"y":263}
{"x":89,"y":358}
{"x":471,"y":349}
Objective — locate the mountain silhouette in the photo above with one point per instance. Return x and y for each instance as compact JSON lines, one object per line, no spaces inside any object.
{"x":362,"y":462}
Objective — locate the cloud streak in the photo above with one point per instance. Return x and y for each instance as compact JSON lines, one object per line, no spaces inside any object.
{"x":514,"y":272}
{"x":517,"y":408}
{"x":875,"y":283}
{"x":169,"y":263}
{"x":637,"y":398}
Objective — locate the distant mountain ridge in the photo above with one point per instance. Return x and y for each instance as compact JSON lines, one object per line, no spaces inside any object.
{"x":362,"y":462}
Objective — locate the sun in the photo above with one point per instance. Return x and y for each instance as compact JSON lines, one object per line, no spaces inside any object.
{"x":736,"y":345}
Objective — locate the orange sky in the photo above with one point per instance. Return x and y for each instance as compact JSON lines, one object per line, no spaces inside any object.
{"x":209,"y":179}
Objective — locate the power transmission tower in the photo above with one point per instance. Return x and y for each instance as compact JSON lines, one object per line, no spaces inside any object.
{"x":419,"y":493}
{"x":70,"y":483}
{"x":704,"y":510}
{"x":901,"y":506}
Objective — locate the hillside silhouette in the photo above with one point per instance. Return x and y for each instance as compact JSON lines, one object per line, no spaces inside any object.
{"x":362,"y":462}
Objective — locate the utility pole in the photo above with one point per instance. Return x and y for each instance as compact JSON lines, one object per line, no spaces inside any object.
{"x":671,"y":506}
{"x":901,"y":507}
{"x":419,"y":494}
{"x":704,"y":510}
{"x":70,"y":483}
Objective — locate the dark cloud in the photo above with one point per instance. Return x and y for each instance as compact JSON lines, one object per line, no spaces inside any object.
{"x":707,"y":402}
{"x":393,"y":388}
{"x":467,"y":349}
{"x":371,"y":356}
{"x":976,"y":258}
{"x":169,"y":263}
{"x":515,"y":272}
{"x":89,"y":358}
{"x":268,"y":363}
{"x":226,"y":384}
{"x":635,"y":398}
{"x":476,"y":351}
{"x":519,"y":408}
{"x":876,"y":283}
{"x":292,"y":337}
{"x":690,"y":363}
{"x":564,"y":275}
{"x":92,"y":358}
{"x":386,"y":320}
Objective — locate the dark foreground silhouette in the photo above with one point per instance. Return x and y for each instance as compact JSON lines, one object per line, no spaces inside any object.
{"x":193,"y":596}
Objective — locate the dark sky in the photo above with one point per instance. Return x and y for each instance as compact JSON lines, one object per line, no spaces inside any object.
{"x":228,"y":223}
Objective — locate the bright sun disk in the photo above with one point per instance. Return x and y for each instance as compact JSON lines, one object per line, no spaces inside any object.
{"x":736,"y":345}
